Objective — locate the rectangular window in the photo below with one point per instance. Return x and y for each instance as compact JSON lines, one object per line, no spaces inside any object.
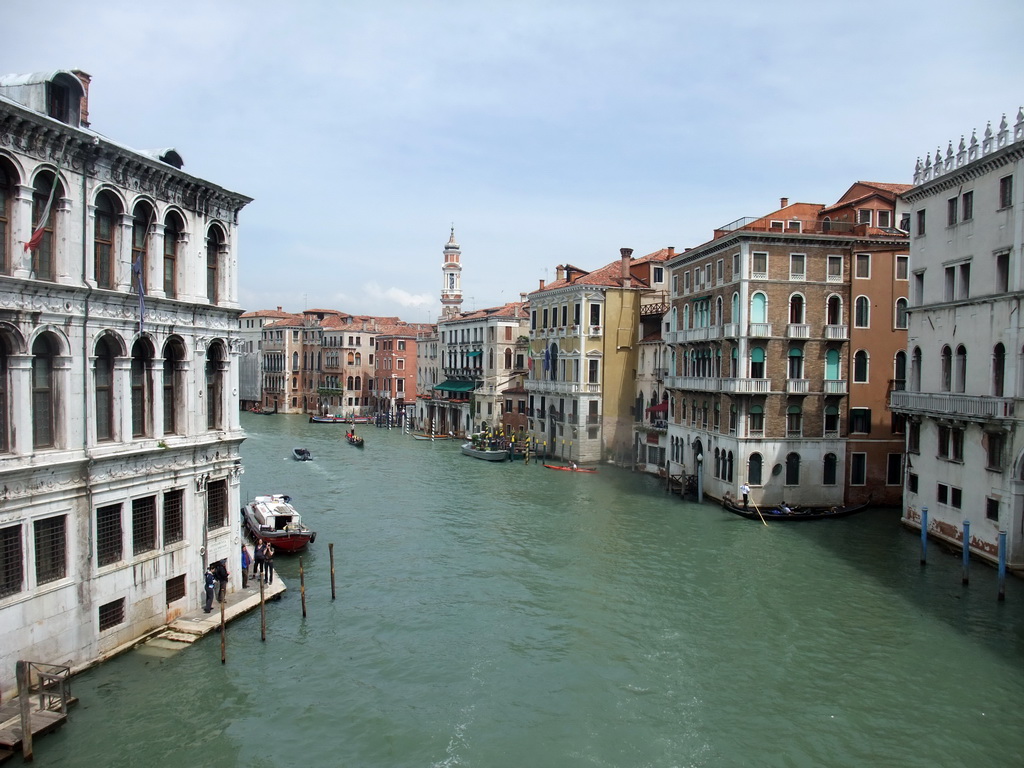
{"x":12,"y":572}
{"x":995,"y":448}
{"x":955,"y":497}
{"x":964,"y":287}
{"x":720,"y":271}
{"x":950,"y":284}
{"x":992,"y":509}
{"x":858,"y":469}
{"x":864,"y":216}
{"x":834,"y":269}
{"x":920,"y":223}
{"x":174,"y":589}
{"x":894,"y":469}
{"x":51,"y":549}
{"x":884,"y":219}
{"x":595,"y":314}
{"x":952,"y":206}
{"x":108,"y":534}
{"x":1002,"y":272}
{"x":686,"y":282}
{"x":174,"y":516}
{"x":759,"y":266}
{"x":143,"y":525}
{"x":707,"y":274}
{"x":863,"y":268}
{"x":111,"y":614}
{"x":217,"y":504}
{"x":912,"y":482}
{"x":902,"y":267}
{"x":593,"y":373}
{"x":797,"y":266}
{"x":860,"y":420}
{"x":942,"y":493}
{"x":967,"y":206}
{"x":735,"y":265}
{"x":1006,"y":192}
{"x":918,"y":294}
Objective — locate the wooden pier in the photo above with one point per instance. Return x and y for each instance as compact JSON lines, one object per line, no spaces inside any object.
{"x":43,"y":703}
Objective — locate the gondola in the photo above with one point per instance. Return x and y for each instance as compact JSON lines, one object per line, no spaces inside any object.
{"x":794,"y":514}
{"x":354,"y":439}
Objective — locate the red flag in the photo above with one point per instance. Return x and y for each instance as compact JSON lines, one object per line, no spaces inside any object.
{"x":40,"y":230}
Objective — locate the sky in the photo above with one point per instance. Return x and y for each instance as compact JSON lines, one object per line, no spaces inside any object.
{"x":546,"y":132}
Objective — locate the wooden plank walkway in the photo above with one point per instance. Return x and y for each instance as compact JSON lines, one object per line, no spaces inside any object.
{"x":43,"y":721}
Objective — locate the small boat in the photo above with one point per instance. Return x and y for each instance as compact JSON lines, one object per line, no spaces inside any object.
{"x":328,"y":419}
{"x":487,"y":454}
{"x":273,"y":518}
{"x":359,"y":419}
{"x":302,"y":454}
{"x":354,"y":439}
{"x":421,"y":436}
{"x":794,"y":513}
{"x":571,"y":469}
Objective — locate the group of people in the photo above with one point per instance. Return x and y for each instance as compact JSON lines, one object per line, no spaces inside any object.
{"x":215,"y":580}
{"x":263,"y":561}
{"x":216,"y":577}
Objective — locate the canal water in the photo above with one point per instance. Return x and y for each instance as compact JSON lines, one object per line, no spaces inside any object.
{"x":506,"y":615}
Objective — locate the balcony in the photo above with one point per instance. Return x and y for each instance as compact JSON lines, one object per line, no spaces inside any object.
{"x":798,"y":386}
{"x":731,"y":330}
{"x":708,"y":333}
{"x":837,"y":332}
{"x":798,"y":331}
{"x":760,"y":330}
{"x":956,"y":406}
{"x":747,"y":386}
{"x":699,"y":383}
{"x":593,"y":330}
{"x":834,"y":386}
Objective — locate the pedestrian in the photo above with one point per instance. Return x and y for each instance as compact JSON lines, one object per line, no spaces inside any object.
{"x":259,"y":554}
{"x":209,"y":581}
{"x":745,"y":490}
{"x":245,"y":566}
{"x":220,"y":571}
{"x":268,"y":564}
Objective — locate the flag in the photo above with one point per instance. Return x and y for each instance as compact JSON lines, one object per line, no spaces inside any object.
{"x":140,"y":285}
{"x":40,"y":229}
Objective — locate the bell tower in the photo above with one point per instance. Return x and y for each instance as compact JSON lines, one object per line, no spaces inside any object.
{"x":451,"y":291}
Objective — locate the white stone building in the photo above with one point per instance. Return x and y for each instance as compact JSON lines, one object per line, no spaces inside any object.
{"x":119,"y":430}
{"x":965,"y":444}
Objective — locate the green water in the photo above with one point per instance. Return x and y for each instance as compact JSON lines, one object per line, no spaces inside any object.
{"x":505,"y":615}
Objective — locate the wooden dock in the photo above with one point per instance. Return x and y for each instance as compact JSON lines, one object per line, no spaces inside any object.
{"x":43,"y":721}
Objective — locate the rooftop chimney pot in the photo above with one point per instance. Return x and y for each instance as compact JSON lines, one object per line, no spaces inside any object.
{"x":783,"y":202}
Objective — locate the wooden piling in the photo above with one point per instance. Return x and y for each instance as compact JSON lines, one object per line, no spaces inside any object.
{"x":24,"y":676}
{"x":263,"y":611}
{"x":223,"y":634}
{"x":330,"y":548}
{"x":302,"y":586}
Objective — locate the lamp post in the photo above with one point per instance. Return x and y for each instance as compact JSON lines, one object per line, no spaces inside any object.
{"x":700,"y":478}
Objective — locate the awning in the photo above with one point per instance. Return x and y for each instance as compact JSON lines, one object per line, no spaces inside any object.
{"x":475,"y":353}
{"x":661,"y":407}
{"x":456,"y":386}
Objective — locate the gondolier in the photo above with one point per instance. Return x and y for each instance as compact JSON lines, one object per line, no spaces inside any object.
{"x":745,"y":490}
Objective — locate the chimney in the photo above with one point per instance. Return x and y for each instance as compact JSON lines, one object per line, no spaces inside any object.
{"x":627,"y":254}
{"x":783,"y":202}
{"x":278,"y":309}
{"x":541,"y":284}
{"x":671,"y":251}
{"x":560,"y":272}
{"x":85,"y":79}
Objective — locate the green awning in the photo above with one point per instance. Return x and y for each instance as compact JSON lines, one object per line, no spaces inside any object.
{"x":456,"y":386}
{"x":474,"y":353}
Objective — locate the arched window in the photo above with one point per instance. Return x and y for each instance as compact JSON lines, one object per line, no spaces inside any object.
{"x":960,"y":380}
{"x":142,"y":389}
{"x":214,"y":245}
{"x":172,"y":236}
{"x":6,"y":203}
{"x":796,"y":363}
{"x":718,"y":463}
{"x":735,"y":318}
{"x":826,"y":224}
{"x":831,"y":421}
{"x":686,"y":317}
{"x":44,"y":415}
{"x":793,"y":469}
{"x":947,"y":369}
{"x":757,"y":362}
{"x":215,"y":371}
{"x":5,"y":387}
{"x":754,"y":466}
{"x":351,"y":358}
{"x":998,"y":369}
{"x":103,"y":240}
{"x":359,"y":358}
{"x":719,"y":318}
{"x":796,"y":309}
{"x":915,"y":370}
{"x":832,"y":365}
{"x":901,"y":313}
{"x":295,"y":361}
{"x":728,"y":467}
{"x":46,"y":192}
{"x":142,"y":221}
{"x":104,"y":377}
{"x":756,"y":421}
{"x":359,"y":383}
{"x":759,"y":308}
{"x":490,"y":359}
{"x":508,"y":358}
{"x":794,"y":421}
{"x":860,"y":366}
{"x":834,"y":310}
{"x":173,"y":372}
{"x":349,"y":382}
{"x":862,"y":312}
{"x":828,"y":469}
{"x":899,"y":370}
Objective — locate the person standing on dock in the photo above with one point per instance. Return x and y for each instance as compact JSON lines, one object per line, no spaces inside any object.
{"x":259,"y":555}
{"x":745,"y":490}
{"x":209,"y":582}
{"x":268,"y":563}
{"x":220,"y":570}
{"x":245,"y":566}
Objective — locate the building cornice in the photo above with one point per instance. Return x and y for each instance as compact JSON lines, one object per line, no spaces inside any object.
{"x":969,"y":172}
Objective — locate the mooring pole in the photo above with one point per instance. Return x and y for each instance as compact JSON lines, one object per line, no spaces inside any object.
{"x":1002,"y":566}
{"x":330,"y":548}
{"x":24,"y":675}
{"x":223,"y":635}
{"x":924,"y":535}
{"x":302,"y":587}
{"x":263,"y":611}
{"x":967,"y":552}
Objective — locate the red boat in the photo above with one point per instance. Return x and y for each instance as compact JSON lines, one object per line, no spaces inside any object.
{"x":571,"y":469}
{"x":274,"y":519}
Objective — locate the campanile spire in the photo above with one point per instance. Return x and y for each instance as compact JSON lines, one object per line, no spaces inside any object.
{"x":451,"y":290}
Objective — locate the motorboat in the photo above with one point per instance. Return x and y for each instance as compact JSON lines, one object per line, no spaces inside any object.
{"x":302,"y":454}
{"x":274,"y":519}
